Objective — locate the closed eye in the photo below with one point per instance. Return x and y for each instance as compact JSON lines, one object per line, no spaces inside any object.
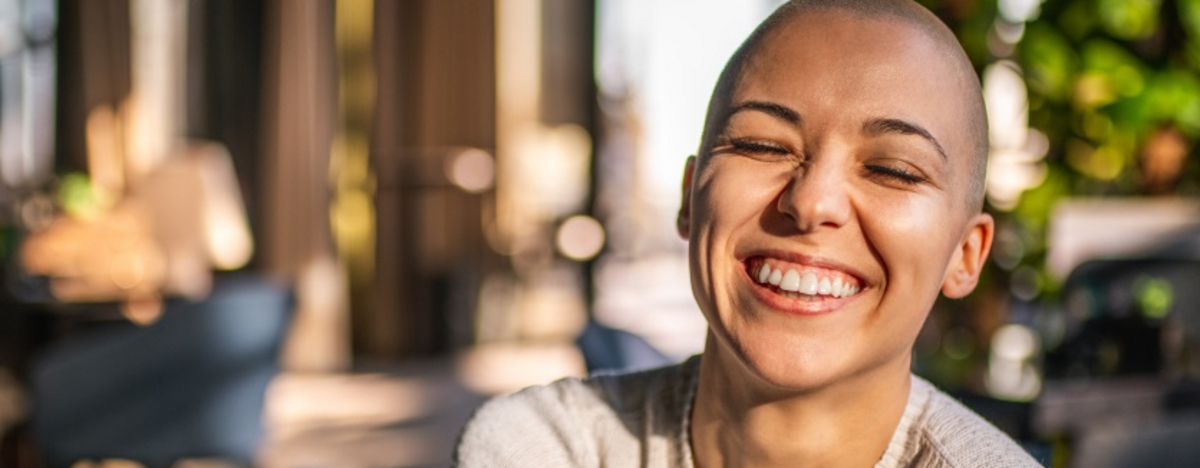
{"x":896,"y":174}
{"x":752,"y":147}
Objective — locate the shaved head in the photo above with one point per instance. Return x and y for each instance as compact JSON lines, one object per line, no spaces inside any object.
{"x":974,"y":120}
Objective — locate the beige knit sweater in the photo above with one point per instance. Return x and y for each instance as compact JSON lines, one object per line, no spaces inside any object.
{"x":641,"y":420}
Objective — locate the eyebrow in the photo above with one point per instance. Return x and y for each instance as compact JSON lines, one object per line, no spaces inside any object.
{"x":876,"y":127}
{"x":775,"y":110}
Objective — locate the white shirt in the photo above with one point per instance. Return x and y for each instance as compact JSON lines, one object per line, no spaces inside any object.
{"x":641,"y":419}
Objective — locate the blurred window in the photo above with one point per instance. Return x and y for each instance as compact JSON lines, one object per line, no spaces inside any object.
{"x":656,"y":65}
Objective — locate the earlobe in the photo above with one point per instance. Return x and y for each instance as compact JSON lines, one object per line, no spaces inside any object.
{"x":969,"y":260}
{"x":683,"y":222}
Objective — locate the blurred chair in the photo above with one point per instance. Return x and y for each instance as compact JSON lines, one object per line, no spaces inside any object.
{"x":1122,"y":315}
{"x":190,"y":385}
{"x":1122,"y":384}
{"x":610,"y":349}
{"x":1167,"y":443}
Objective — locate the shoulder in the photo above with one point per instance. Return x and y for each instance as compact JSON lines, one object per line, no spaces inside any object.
{"x":571,"y":422}
{"x":958,"y":437}
{"x":514,"y":429}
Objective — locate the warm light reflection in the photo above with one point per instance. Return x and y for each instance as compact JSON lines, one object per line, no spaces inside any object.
{"x":110,"y":258}
{"x":370,"y":419}
{"x":297,"y":403}
{"x":104,"y":137}
{"x":319,"y":336}
{"x":14,"y":404}
{"x":142,"y":310}
{"x":503,"y":368}
{"x":1163,"y":158}
{"x":518,"y":102}
{"x":227,"y":235}
{"x":1015,"y":163}
{"x":541,"y":176}
{"x":1019,"y":11}
{"x":156,"y":103}
{"x":471,"y":169}
{"x":1011,"y":372}
{"x":548,"y":172}
{"x":550,"y":306}
{"x":580,"y":238}
{"x":352,"y":210}
{"x":198,"y":217}
{"x":107,"y":463}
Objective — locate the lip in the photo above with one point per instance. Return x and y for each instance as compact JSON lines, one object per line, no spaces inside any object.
{"x":800,"y":306}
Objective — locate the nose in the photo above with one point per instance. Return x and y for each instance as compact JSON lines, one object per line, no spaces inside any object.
{"x":816,"y":197}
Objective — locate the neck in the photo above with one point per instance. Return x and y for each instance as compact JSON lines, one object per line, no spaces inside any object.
{"x":740,"y":420}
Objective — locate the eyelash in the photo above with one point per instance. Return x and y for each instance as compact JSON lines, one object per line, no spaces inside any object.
{"x":897,"y":174}
{"x":757,"y":147}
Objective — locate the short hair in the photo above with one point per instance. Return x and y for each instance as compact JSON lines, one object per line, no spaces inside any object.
{"x":905,"y":11}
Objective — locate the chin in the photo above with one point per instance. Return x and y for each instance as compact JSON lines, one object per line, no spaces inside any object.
{"x":789,"y":362}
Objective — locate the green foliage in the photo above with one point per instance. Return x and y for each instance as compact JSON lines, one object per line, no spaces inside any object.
{"x":1102,"y":76}
{"x":1108,"y":68}
{"x":1154,"y":297}
{"x":1050,"y":62}
{"x":77,"y":197}
{"x":1128,"y":19}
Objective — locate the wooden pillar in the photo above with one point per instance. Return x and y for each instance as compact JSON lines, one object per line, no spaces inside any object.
{"x":300,"y":115}
{"x":436,"y":72}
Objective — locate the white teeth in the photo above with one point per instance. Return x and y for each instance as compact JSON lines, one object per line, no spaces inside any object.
{"x":808,"y":283}
{"x":791,"y":281}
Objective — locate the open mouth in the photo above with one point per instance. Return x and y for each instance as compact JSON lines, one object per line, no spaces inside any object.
{"x":802,"y":281}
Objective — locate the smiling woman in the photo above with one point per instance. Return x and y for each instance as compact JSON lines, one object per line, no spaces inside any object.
{"x":836,"y":193}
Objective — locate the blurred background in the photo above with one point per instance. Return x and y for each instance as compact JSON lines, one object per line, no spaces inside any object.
{"x":319,"y":233}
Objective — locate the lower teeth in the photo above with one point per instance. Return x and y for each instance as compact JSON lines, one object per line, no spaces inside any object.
{"x":798,"y":295}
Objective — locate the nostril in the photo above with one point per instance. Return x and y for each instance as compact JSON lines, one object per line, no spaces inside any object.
{"x":812,"y":209}
{"x":816,"y":198}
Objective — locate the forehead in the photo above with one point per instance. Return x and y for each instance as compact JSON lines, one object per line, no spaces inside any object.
{"x":835,"y":67}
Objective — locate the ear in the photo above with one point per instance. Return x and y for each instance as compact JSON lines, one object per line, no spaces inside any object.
{"x":683,"y":222}
{"x":967,"y":263}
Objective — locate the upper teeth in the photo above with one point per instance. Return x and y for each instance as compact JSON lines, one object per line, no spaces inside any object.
{"x":806,"y":283}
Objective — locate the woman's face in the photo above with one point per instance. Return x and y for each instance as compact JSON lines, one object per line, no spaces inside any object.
{"x":831,"y":207}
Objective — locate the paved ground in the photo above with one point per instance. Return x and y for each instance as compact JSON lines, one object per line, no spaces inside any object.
{"x":402,"y":415}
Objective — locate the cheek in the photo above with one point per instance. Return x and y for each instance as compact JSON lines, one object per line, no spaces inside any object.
{"x":725,"y":206}
{"x":912,"y":242}
{"x":739,"y":195}
{"x":915,"y":239}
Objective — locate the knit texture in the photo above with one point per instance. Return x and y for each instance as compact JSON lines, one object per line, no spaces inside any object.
{"x":641,"y":419}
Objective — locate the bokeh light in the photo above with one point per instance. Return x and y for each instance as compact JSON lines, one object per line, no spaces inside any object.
{"x":471,"y":169}
{"x":580,"y":238}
